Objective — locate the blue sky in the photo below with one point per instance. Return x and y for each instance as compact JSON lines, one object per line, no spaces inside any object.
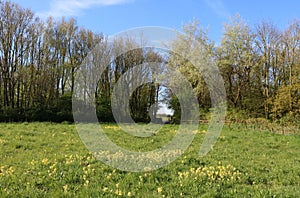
{"x":113,"y":16}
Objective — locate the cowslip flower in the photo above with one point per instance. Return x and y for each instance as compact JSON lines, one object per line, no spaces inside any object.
{"x":159,"y":189}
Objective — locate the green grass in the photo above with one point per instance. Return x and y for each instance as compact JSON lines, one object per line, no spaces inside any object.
{"x":44,"y":159}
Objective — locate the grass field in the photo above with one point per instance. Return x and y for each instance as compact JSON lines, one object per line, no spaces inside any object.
{"x":45,"y":159}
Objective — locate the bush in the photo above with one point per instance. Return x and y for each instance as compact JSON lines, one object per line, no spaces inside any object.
{"x":290,"y":119}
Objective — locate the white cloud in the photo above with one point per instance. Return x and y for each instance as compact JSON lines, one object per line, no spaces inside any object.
{"x":59,"y":8}
{"x":219,"y":8}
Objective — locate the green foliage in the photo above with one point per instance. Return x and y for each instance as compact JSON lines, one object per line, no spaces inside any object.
{"x":104,"y":112}
{"x":291,"y":119}
{"x":64,"y":108}
{"x":287,"y":101}
{"x":175,"y":105}
{"x":62,"y":111}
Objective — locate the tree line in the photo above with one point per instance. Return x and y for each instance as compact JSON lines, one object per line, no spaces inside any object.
{"x":260,"y":67}
{"x":39,"y":61}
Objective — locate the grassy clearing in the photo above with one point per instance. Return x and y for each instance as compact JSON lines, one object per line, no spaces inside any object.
{"x":44,"y":159}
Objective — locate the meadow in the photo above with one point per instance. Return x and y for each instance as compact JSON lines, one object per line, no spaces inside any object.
{"x":49,"y":160}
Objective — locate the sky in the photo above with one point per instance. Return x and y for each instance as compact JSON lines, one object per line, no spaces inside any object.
{"x":112,"y":16}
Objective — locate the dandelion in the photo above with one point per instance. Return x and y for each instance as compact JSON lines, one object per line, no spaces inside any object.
{"x":159,"y":189}
{"x":129,"y":194}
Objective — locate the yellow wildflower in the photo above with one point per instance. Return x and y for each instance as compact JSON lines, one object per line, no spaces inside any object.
{"x":118,"y":192}
{"x":159,"y":189}
{"x":45,"y":161}
{"x":65,"y":187}
{"x":105,"y":189}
